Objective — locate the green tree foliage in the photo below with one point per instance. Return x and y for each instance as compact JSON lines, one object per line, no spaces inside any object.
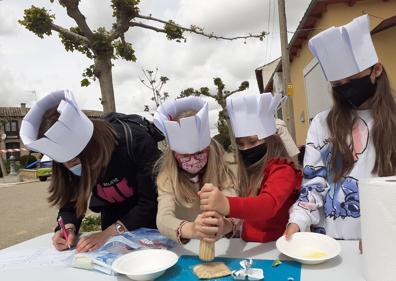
{"x":102,"y":45}
{"x":225,"y":136}
{"x":38,"y":21}
{"x":25,"y":160}
{"x":91,"y":223}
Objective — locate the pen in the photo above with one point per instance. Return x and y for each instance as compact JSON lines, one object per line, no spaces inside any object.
{"x":62,"y":226}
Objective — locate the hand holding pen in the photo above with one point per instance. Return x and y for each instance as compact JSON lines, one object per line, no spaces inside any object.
{"x":63,"y":229}
{"x":64,"y":238}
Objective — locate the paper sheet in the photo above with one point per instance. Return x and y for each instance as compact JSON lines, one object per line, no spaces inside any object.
{"x":378,"y":209}
{"x":36,"y":258}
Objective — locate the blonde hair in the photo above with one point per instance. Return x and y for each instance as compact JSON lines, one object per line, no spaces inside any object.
{"x":250,"y":178}
{"x":171,"y":178}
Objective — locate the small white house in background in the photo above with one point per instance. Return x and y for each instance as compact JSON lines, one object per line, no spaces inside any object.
{"x":317,"y":89}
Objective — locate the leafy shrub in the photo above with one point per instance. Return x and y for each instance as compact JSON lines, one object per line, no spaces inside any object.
{"x":90,"y":223}
{"x":224,"y":140}
{"x":25,"y":160}
{"x":17,"y":165}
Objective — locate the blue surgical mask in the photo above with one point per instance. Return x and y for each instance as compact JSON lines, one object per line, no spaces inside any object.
{"x":76,"y":170}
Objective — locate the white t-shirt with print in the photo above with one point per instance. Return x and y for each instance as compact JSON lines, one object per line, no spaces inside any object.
{"x":331,"y":207}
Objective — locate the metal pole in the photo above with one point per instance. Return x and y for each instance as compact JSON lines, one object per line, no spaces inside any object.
{"x":286,"y":66}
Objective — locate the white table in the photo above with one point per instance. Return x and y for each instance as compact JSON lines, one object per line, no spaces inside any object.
{"x":347,"y":266}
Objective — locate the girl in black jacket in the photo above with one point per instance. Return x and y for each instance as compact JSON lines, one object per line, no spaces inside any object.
{"x":117,"y":184}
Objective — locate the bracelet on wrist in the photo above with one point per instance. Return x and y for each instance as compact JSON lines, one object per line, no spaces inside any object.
{"x":71,"y":228}
{"x":234,"y":228}
{"x":178,"y":234}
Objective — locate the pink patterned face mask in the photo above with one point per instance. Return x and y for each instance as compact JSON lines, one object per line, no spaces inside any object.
{"x":193,"y":163}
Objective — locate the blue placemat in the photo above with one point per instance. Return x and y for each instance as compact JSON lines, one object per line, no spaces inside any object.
{"x":183,"y":270}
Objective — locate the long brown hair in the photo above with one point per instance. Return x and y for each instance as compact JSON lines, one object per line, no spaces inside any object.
{"x":250,"y":178}
{"x":340,"y":121}
{"x":66,"y":187}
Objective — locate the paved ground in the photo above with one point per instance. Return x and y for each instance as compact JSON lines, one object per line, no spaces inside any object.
{"x":24,"y":212}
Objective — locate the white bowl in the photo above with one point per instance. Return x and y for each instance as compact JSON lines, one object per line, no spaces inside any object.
{"x":145,"y":264}
{"x":309,"y":247}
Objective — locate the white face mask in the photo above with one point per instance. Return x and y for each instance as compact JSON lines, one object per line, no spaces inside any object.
{"x":76,"y":170}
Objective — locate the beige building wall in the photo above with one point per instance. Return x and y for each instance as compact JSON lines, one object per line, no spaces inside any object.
{"x":385,"y":44}
{"x":339,"y":14}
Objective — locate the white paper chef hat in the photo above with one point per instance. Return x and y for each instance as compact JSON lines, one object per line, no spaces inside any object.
{"x":189,"y":135}
{"x":253,"y":114}
{"x":67,"y":137}
{"x":346,"y":50}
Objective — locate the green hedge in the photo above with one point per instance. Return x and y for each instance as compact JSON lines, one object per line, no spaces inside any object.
{"x":90,"y":223}
{"x":25,"y":160}
{"x":224,"y":140}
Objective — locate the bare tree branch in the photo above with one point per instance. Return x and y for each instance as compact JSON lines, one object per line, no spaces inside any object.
{"x":79,"y":18}
{"x":160,"y":86}
{"x":156,"y":71}
{"x":147,"y":26}
{"x":149,"y":78}
{"x":151,"y":18}
{"x":192,"y":30}
{"x":118,"y":31}
{"x":233,"y":92}
{"x":144,"y":83}
{"x":155,"y":74}
{"x":69,"y":33}
{"x":145,"y":75}
{"x":207,"y":94}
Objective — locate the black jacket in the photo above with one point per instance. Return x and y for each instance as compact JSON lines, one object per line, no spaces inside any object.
{"x":128,"y":185}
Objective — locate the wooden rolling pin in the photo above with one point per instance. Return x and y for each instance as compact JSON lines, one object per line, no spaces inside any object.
{"x":206,"y":250}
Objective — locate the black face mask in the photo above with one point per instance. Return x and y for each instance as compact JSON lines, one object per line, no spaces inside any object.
{"x":357,"y":91}
{"x":254,"y":154}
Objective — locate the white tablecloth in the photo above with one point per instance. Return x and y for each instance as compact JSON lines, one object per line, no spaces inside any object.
{"x":346,"y":267}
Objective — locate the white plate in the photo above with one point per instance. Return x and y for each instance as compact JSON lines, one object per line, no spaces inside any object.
{"x":145,"y":264}
{"x":309,"y":247}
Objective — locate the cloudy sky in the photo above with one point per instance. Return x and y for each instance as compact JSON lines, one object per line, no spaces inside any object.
{"x":31,"y":67}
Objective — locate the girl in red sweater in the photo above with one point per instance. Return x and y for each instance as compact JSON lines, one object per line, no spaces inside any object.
{"x":268,"y":180}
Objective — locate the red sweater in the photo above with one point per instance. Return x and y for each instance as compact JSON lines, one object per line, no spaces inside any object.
{"x":265,"y":216}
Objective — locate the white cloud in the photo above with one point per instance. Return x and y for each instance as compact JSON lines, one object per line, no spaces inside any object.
{"x":29,"y":63}
{"x":223,"y":16}
{"x":7,"y":86}
{"x":7,"y":21}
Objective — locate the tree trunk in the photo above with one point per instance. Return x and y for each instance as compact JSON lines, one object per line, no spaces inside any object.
{"x":230,"y":132}
{"x":2,"y":166}
{"x":103,"y":70}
